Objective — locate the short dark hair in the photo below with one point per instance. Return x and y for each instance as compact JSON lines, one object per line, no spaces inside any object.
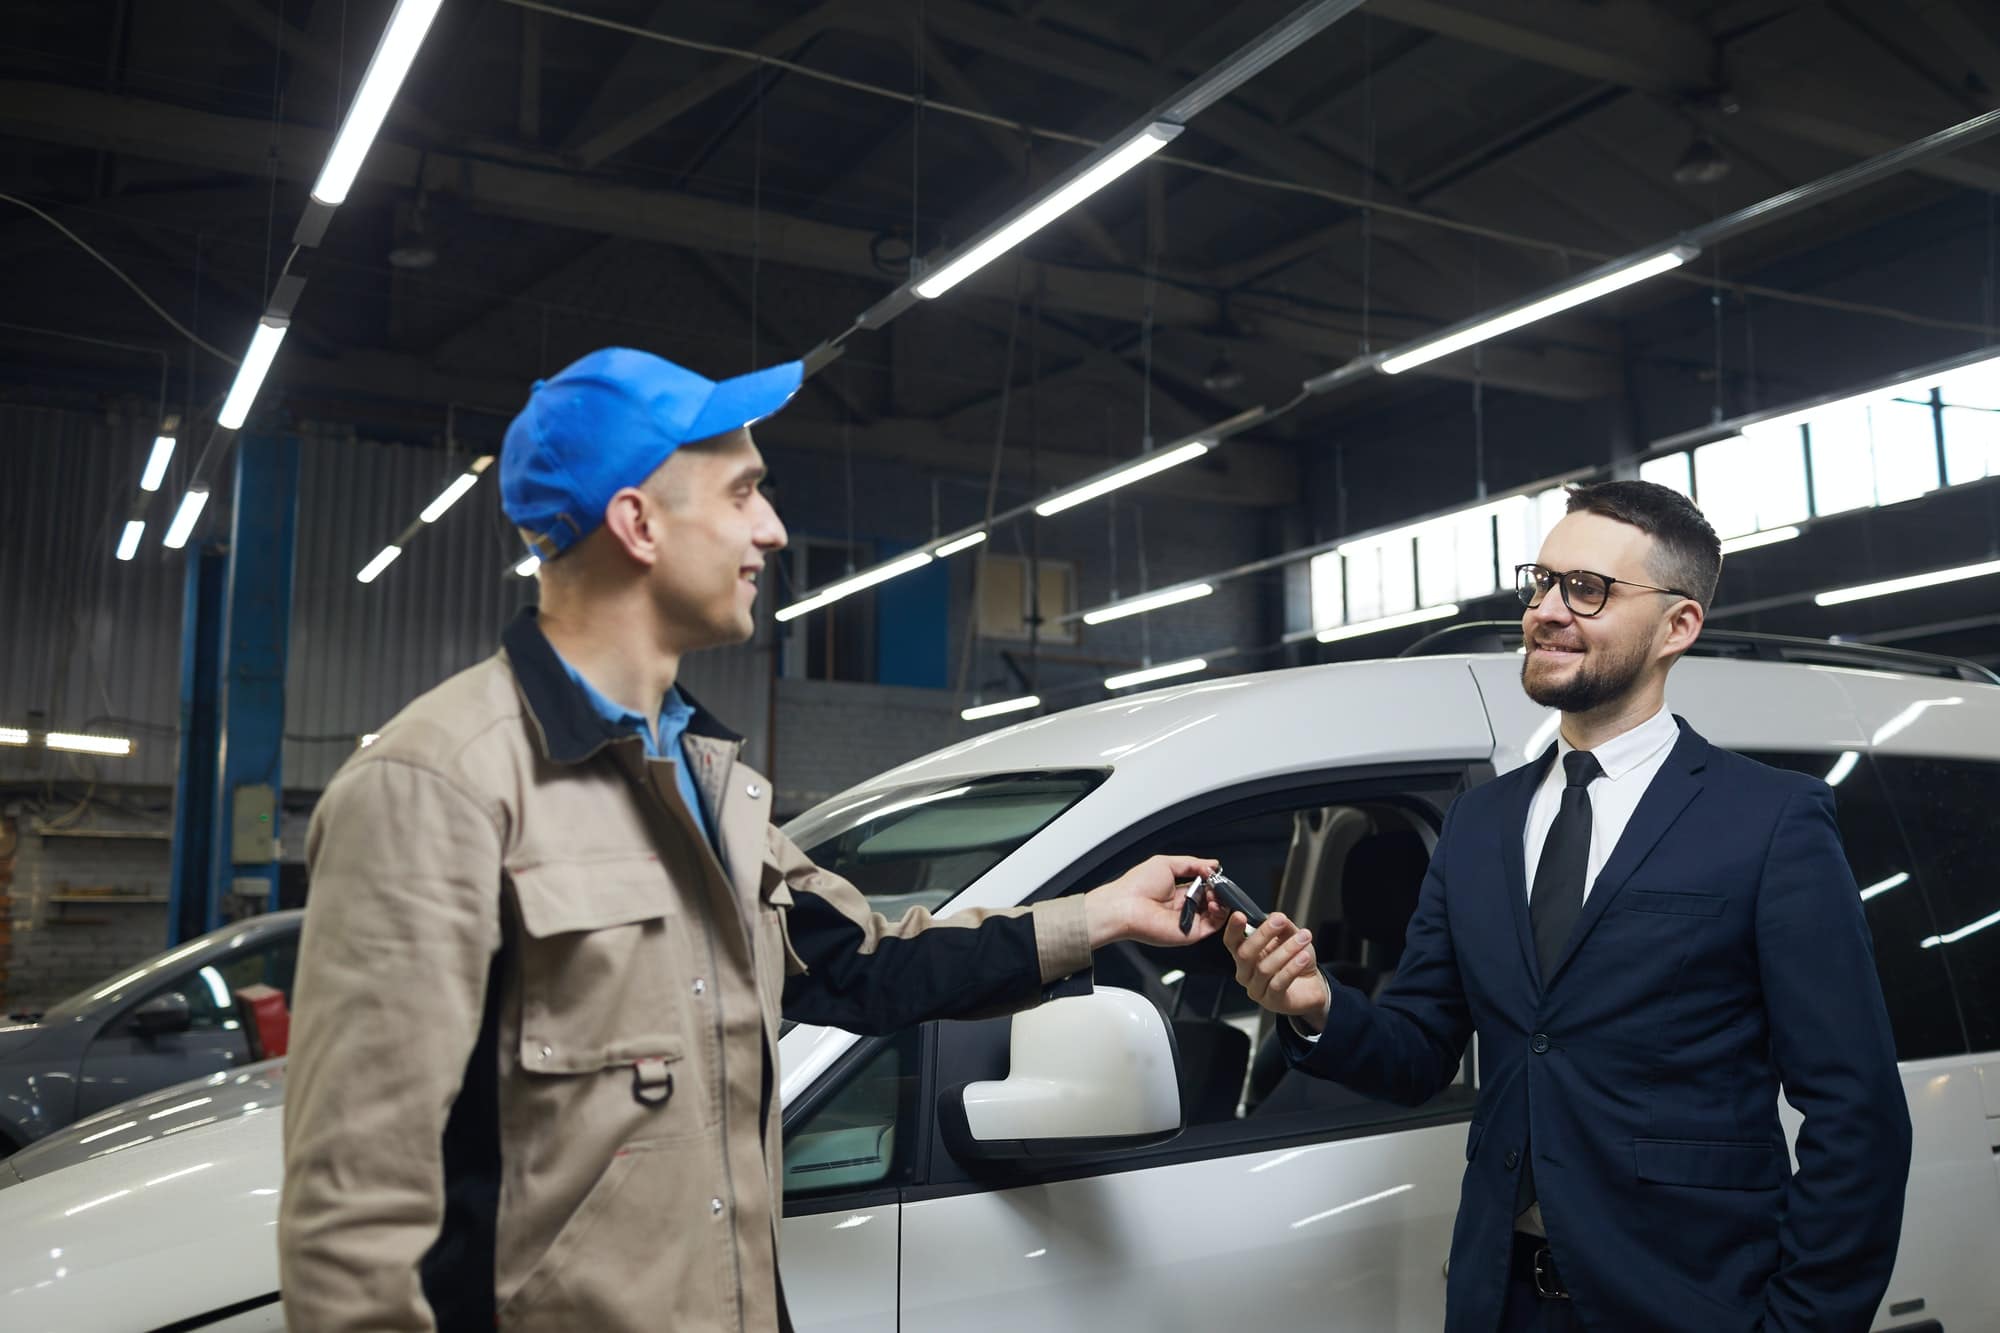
{"x":1687,"y":555}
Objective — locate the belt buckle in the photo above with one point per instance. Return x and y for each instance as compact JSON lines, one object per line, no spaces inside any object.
{"x":1548,"y":1283}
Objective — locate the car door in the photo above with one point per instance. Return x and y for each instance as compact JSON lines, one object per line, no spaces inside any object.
{"x":1285,"y":1192}
{"x":121,"y":1063}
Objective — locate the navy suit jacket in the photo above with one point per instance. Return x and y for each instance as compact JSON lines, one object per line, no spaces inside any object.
{"x":1721,"y":951}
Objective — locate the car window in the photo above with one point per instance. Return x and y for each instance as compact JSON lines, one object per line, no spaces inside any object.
{"x":211,"y":990}
{"x":1895,"y":898}
{"x":851,"y":1141}
{"x":1947,"y":809}
{"x":920,"y":846}
{"x":1348,"y":866}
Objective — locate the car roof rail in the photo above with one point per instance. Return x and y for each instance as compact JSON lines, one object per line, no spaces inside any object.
{"x":1504,"y":636}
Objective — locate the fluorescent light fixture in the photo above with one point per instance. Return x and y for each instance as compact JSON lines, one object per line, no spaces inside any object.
{"x":1021,"y":704}
{"x":1361,"y":627}
{"x":400,"y":41}
{"x":1137,"y":606}
{"x":527,"y":567}
{"x":1895,"y":881}
{"x":128,"y":545}
{"x":1751,"y":541}
{"x":1887,"y":586}
{"x":460,"y":485}
{"x":1040,"y":214}
{"x":383,"y":559}
{"x":833,"y":592}
{"x":66,"y":740}
{"x":156,"y":463}
{"x":185,"y":518}
{"x":1842,"y":767}
{"x":964,"y":543}
{"x":1151,"y":674}
{"x":1933,"y":941}
{"x":13,"y":736}
{"x":1148,"y":466}
{"x":370,"y":739}
{"x":1603,"y":282}
{"x":250,"y":375}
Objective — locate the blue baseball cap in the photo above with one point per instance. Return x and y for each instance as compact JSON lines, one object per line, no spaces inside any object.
{"x":607,"y":421}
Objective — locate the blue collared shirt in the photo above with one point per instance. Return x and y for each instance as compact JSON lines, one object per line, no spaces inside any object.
{"x":662,"y":741}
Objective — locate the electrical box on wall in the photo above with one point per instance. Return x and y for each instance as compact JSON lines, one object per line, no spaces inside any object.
{"x":253,"y":836}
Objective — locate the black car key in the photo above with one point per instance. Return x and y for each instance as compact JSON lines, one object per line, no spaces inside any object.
{"x":1227,"y":892}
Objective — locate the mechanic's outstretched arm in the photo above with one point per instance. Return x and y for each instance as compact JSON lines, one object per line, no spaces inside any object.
{"x":853,"y":968}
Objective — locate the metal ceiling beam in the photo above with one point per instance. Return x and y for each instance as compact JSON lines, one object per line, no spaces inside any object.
{"x":1641,"y":44}
{"x":60,"y":114}
{"x":1972,"y":43}
{"x":648,"y":119}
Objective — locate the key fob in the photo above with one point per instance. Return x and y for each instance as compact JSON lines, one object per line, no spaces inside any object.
{"x":1231,"y":895}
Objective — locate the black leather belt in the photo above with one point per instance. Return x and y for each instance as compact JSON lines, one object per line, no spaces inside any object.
{"x":1534,"y":1263}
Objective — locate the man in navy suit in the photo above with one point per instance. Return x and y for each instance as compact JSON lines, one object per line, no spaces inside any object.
{"x":1650,"y":936}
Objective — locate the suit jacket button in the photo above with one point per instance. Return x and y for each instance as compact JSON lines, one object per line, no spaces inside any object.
{"x":1539,"y":1044}
{"x":1513,"y":1159}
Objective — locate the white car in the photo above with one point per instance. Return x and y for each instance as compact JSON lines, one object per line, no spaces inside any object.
{"x":1025,"y":1173}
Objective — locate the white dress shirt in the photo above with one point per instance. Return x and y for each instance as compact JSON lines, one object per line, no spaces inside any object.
{"x":1629,"y":762}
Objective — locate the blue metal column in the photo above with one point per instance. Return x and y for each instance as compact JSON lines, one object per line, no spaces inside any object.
{"x":256,"y":633}
{"x":201,"y":739}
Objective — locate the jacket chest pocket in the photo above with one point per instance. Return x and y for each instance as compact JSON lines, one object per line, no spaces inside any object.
{"x":605,"y":971}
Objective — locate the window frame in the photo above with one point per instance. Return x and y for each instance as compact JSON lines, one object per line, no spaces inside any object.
{"x":1427,"y":787}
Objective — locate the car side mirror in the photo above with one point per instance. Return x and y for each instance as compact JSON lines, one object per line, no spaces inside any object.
{"x":1087,"y":1074}
{"x":162,"y":1014}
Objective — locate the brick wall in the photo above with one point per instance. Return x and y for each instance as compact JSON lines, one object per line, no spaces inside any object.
{"x":85,"y":900}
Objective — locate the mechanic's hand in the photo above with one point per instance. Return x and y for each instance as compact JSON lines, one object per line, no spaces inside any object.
{"x":1144,"y":904}
{"x":1277,"y":965}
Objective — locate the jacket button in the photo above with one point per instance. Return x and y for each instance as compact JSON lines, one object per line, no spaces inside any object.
{"x":1513,"y":1159}
{"x":715,"y":1208}
{"x":700,"y":986}
{"x":1539,"y":1044}
{"x":754,"y":791}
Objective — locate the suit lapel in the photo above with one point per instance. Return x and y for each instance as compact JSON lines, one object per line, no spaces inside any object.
{"x":1514,"y":854}
{"x":1676,"y":784}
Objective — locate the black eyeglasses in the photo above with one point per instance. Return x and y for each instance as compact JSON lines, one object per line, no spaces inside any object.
{"x":1583,"y":591}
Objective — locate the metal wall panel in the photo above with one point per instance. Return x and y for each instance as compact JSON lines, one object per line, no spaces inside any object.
{"x":91,"y":642}
{"x":84,"y":638}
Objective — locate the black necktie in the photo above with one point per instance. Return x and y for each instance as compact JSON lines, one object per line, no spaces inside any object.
{"x":1557,"y":899}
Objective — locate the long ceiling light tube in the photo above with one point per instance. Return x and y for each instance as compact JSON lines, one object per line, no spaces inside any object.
{"x":401,"y":39}
{"x":118,"y":747}
{"x":128,"y":544}
{"x":1147,"y":465}
{"x":156,"y":462}
{"x":185,"y":518}
{"x":833,"y":592}
{"x":1148,"y":675}
{"x":1838,"y":596}
{"x":1020,"y":705}
{"x":250,"y":375}
{"x":1091,"y":176}
{"x":1612,"y":277}
{"x":1152,"y":601}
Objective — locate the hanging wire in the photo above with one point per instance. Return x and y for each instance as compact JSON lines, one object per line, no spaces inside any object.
{"x":1368,"y":182}
{"x":1992,"y":272}
{"x":992,"y":481}
{"x":757,"y":216}
{"x":917,"y":136}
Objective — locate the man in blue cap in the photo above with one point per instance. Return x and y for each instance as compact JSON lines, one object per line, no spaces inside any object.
{"x":552,"y":932}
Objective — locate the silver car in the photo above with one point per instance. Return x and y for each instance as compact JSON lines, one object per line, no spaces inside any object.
{"x":171,"y":1018}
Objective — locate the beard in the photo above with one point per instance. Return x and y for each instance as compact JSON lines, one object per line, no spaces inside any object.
{"x":1602,"y":676}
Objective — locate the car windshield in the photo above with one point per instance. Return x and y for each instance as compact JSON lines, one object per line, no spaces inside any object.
{"x":920,"y":845}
